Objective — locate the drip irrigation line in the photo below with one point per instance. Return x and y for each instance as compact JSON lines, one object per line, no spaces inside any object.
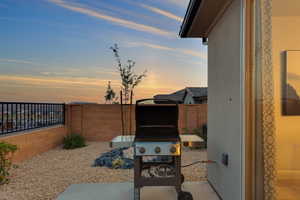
{"x":198,"y":162}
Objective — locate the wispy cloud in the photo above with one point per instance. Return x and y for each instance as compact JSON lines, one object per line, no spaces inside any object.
{"x":162,"y":12}
{"x":151,"y":82}
{"x":29,"y":62}
{"x":79,"y":72}
{"x":54,"y":81}
{"x":41,"y":22}
{"x":5,"y":60}
{"x":64,"y":70}
{"x":171,"y":49}
{"x":41,"y":88}
{"x":119,"y":21}
{"x":116,"y":10}
{"x":181,"y":3}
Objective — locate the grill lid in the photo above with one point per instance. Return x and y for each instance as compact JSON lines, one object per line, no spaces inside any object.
{"x":156,"y":121}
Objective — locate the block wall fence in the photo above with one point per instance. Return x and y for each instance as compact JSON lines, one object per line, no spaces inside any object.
{"x":96,"y":122}
{"x":102,"y":122}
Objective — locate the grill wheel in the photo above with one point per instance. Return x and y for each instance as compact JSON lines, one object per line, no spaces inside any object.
{"x":184,"y":196}
{"x":182,"y":178}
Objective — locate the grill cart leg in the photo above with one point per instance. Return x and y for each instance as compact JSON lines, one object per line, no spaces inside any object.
{"x":181,"y":195}
{"x":137,"y":175}
{"x":177,"y":163}
{"x":137,"y":191}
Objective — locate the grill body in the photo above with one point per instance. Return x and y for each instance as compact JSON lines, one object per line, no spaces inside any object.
{"x":157,"y":137}
{"x":156,"y":122}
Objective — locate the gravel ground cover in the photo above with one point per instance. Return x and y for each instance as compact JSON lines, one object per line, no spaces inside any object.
{"x":45,"y":176}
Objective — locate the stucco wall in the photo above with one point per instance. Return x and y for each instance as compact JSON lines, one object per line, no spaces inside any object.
{"x":102,"y":122}
{"x":286,"y":31}
{"x":33,"y":142}
{"x":224,"y":104}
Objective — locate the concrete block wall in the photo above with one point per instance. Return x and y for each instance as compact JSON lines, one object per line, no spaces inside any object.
{"x":96,"y":122}
{"x":33,"y":142}
{"x":102,"y":122}
{"x":192,"y":116}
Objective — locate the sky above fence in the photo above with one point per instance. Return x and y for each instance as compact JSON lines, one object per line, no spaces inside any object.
{"x":58,"y":50}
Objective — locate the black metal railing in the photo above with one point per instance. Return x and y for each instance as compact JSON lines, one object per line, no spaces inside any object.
{"x":17,"y":116}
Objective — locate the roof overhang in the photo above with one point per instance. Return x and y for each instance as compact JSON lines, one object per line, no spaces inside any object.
{"x":200,"y":17}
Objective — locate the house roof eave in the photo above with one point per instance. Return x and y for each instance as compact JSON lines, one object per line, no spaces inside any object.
{"x":189,"y":17}
{"x":200,"y":17}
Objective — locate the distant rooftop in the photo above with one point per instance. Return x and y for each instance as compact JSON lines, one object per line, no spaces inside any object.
{"x":196,"y":92}
{"x":176,"y":96}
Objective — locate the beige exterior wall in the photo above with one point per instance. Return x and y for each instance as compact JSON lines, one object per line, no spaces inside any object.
{"x":33,"y":142}
{"x":102,"y":122}
{"x":286,"y":31}
{"x":225,"y":104}
{"x":97,"y":122}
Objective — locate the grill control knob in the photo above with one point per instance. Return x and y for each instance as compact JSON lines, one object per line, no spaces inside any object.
{"x":142,"y":150}
{"x":173,"y":149}
{"x":157,"y":149}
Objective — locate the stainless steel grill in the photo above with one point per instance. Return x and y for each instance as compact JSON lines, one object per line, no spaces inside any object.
{"x":157,"y":147}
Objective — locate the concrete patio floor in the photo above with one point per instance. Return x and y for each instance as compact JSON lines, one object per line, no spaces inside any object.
{"x":124,"y":191}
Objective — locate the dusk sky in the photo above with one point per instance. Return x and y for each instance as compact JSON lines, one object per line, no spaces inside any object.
{"x":58,"y":50}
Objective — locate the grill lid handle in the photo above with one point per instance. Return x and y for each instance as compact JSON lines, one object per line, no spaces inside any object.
{"x":167,"y":101}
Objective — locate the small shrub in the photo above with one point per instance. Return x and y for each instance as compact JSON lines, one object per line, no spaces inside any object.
{"x":197,"y":131}
{"x":186,"y":131}
{"x":202,"y":132}
{"x":6,"y":152}
{"x":73,"y":141}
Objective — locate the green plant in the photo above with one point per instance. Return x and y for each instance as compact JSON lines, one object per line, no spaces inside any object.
{"x":73,"y":141}
{"x":6,"y":152}
{"x":197,"y":131}
{"x":110,"y":95}
{"x":186,"y":131}
{"x":202,"y":132}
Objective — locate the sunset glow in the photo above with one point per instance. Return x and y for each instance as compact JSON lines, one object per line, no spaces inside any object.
{"x":58,"y":50}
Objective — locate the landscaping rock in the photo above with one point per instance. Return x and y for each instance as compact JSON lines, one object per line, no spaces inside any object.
{"x":114,"y":159}
{"x":47,"y":175}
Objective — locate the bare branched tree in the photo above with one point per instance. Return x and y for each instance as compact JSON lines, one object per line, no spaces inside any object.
{"x":129,"y":79}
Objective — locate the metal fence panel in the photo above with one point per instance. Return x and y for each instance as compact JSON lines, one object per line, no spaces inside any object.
{"x":20,"y":116}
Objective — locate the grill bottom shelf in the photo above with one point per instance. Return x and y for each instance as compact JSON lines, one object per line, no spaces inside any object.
{"x":176,"y":180}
